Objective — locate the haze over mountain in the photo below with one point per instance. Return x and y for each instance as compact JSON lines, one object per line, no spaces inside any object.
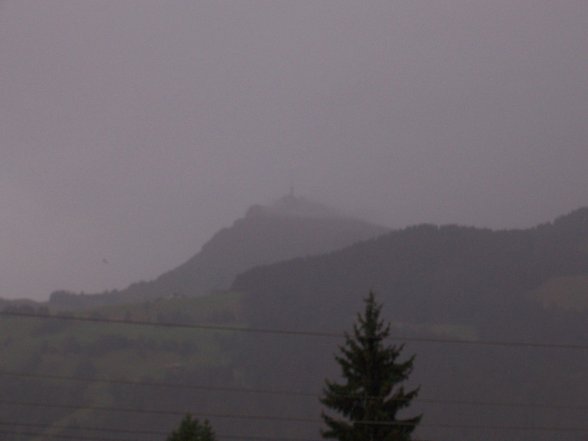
{"x":131,"y":131}
{"x":445,"y":283}
{"x":290,"y":227}
{"x":496,"y":318}
{"x":427,"y":274}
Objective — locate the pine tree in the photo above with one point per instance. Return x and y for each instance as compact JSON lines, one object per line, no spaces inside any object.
{"x":191,"y":429}
{"x":372,"y":393}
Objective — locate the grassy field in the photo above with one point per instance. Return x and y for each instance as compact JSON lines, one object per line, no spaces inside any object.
{"x":121,"y":349}
{"x":568,"y":293}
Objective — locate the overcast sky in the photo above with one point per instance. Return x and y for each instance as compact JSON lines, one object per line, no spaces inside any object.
{"x":131,"y":131}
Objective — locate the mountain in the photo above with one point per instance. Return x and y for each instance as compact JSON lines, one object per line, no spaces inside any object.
{"x":290,"y":227}
{"x":442,"y":285}
{"x":497,"y":321}
{"x":428,"y":274}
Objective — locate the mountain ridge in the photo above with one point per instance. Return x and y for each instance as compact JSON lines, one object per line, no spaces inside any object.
{"x":467,"y":264}
{"x":480,"y":309}
{"x":290,"y":227}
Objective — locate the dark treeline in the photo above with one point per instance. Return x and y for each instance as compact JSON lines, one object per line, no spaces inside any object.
{"x":465,"y":282}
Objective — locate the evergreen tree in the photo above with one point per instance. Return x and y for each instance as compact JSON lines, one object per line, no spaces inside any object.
{"x":191,"y":429}
{"x":371,"y":394}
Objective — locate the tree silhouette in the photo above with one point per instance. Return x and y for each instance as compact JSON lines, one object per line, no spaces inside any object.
{"x":371,"y":394}
{"x":191,"y":429}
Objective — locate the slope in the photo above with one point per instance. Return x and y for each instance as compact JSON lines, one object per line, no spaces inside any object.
{"x":446,"y":283}
{"x":290,"y":227}
{"x":427,"y":274}
{"x":457,"y":295}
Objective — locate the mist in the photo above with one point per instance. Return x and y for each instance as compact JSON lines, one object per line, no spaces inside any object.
{"x":131,"y":131}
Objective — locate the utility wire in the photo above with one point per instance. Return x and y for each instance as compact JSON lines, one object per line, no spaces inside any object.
{"x":157,"y":411}
{"x":80,"y":438}
{"x":135,"y":432}
{"x":299,"y":419}
{"x":26,"y":375}
{"x":290,"y":393}
{"x":171,"y":325}
{"x":499,"y":343}
{"x":81,"y":428}
{"x":221,"y":436}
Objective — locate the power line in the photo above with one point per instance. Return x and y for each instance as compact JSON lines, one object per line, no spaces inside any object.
{"x":158,"y":384}
{"x":513,"y":427}
{"x":82,"y":428}
{"x":285,"y":392}
{"x":172,"y":325}
{"x":299,"y":419}
{"x":498,"y":343}
{"x":136,"y":432}
{"x":81,"y":438}
{"x":158,"y":411}
{"x":147,"y":432}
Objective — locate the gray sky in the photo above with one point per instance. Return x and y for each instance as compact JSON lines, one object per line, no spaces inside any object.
{"x":131,"y":131}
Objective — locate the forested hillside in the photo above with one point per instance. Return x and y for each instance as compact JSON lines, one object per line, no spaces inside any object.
{"x":428,"y":274}
{"x":497,"y":320}
{"x":476,"y":290}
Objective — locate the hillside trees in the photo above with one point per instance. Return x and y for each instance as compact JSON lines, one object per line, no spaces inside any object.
{"x":372,"y":393}
{"x":191,"y":429}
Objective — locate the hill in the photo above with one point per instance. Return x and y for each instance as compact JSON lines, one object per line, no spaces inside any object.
{"x":431,"y":274}
{"x":479,"y":308}
{"x":290,"y":227}
{"x":455,"y":283}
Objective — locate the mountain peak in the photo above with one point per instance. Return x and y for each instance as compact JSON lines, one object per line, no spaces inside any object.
{"x":295,"y":206}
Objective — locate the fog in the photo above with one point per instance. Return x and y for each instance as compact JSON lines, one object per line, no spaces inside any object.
{"x":131,"y":131}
